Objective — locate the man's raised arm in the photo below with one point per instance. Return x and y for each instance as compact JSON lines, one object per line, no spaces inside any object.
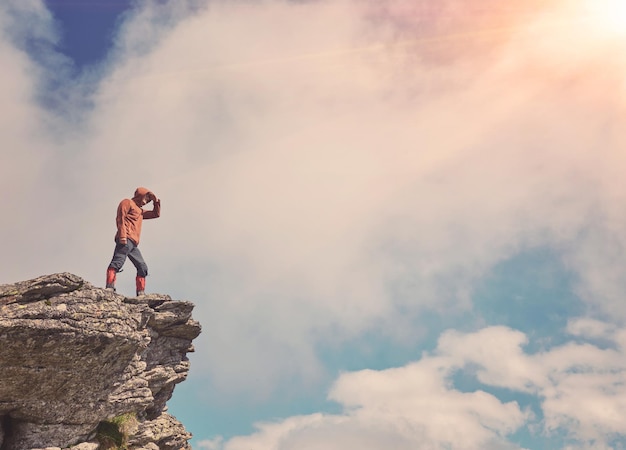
{"x":156,"y":207}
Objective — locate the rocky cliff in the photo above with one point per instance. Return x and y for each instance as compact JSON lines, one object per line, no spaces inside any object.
{"x":82,"y":366}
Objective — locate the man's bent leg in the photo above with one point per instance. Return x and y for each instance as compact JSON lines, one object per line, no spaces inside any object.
{"x":142,"y":269}
{"x":118,"y":260}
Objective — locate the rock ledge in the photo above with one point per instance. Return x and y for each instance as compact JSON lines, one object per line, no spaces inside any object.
{"x":73,"y":355}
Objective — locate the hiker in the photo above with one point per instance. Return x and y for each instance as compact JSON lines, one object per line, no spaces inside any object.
{"x":129,"y":218}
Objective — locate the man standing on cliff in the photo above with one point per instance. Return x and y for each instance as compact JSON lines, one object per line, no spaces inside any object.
{"x":129,"y":218}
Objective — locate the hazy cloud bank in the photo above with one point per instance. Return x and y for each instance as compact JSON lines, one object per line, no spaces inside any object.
{"x":326,"y":168}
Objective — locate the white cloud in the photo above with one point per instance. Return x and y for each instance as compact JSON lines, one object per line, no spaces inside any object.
{"x":404,"y":408}
{"x":498,"y":351}
{"x":585,"y":393}
{"x":590,"y":328}
{"x":580,"y":386}
{"x":419,"y":398}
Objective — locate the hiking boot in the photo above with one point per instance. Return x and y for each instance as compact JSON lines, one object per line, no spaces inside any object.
{"x":140,"y":282}
{"x":111,"y":275}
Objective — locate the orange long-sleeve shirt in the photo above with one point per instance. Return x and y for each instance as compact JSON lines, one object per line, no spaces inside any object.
{"x":129,"y":219}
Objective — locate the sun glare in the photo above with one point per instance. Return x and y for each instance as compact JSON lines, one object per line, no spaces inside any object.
{"x":610,"y":15}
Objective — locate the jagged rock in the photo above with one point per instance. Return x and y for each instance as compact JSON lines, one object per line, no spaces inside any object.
{"x":165,"y":432}
{"x":73,"y":355}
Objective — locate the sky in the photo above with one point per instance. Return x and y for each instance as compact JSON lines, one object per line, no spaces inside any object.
{"x":402,"y":222}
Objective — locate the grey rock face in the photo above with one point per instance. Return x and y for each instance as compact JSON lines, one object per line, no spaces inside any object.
{"x":73,"y":355}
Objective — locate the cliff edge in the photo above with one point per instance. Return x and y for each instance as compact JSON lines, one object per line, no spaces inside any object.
{"x":86,"y":367}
